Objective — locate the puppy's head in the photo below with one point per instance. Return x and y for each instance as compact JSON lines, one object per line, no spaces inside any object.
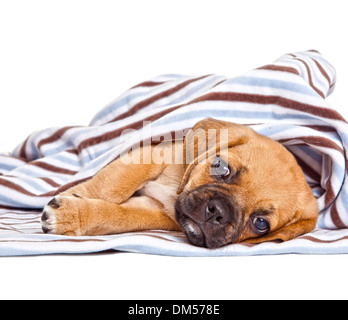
{"x":240,"y":186}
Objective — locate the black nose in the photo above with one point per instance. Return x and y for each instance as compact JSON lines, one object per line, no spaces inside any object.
{"x":217,"y":212}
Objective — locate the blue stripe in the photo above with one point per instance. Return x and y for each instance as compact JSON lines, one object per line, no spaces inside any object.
{"x":7,"y":167}
{"x":254,"y":116}
{"x":60,"y":157}
{"x":108,"y":110}
{"x":272,"y":129}
{"x":193,"y":91}
{"x":16,"y":203}
{"x":27,"y":171}
{"x":31,"y":181}
{"x":272,"y":83}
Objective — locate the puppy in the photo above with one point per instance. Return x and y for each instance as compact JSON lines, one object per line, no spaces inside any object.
{"x":242,"y":188}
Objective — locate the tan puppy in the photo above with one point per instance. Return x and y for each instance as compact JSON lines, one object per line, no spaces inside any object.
{"x":243,"y":188}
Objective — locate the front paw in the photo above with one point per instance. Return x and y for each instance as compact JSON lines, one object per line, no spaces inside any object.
{"x":62,"y":215}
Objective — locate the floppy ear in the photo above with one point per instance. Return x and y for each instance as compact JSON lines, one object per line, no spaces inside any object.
{"x":288,"y":232}
{"x":208,"y":137}
{"x":214,"y":134}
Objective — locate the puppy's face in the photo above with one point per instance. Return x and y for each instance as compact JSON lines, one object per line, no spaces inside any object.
{"x":248,"y":189}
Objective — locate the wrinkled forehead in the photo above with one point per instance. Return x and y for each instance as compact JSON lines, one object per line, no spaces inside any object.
{"x":271,"y":175}
{"x":262,"y":151}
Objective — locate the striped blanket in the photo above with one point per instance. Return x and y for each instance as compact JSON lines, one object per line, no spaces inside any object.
{"x":284,"y":100}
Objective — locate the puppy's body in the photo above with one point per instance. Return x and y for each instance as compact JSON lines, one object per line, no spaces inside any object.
{"x":120,"y":198}
{"x":257,"y":193}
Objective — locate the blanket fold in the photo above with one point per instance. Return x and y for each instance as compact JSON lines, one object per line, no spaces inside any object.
{"x":284,"y":100}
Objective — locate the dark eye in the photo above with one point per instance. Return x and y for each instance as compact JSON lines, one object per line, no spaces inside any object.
{"x":220,"y":169}
{"x":261,"y":225}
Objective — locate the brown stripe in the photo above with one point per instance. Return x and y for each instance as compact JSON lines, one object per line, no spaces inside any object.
{"x":335,"y":217}
{"x":310,"y":78}
{"x":55,"y":136}
{"x":12,"y":229}
{"x":16,"y":187}
{"x":320,"y":128}
{"x":279,"y":68}
{"x":321,"y":142}
{"x":330,"y":196}
{"x":52,"y":168}
{"x":315,"y":141}
{"x":155,"y":98}
{"x":263,"y":99}
{"x":66,"y":187}
{"x":22,"y":152}
{"x":50,"y":182}
{"x":220,"y":82}
{"x":148,"y":84}
{"x":49,"y":194}
{"x":316,"y":240}
{"x":323,"y":72}
{"x":73,"y":151}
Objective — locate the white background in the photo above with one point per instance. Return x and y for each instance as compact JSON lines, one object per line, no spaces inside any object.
{"x":61,"y":61}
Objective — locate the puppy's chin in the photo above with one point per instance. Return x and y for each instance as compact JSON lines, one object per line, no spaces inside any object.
{"x":192,"y":231}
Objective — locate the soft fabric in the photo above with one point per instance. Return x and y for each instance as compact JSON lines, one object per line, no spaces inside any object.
{"x":284,"y":100}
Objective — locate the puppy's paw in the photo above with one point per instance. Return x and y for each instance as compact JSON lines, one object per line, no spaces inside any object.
{"x":62,"y":215}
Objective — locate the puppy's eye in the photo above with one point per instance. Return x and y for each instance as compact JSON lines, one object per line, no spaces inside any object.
{"x":220,"y":169}
{"x":261,"y":225}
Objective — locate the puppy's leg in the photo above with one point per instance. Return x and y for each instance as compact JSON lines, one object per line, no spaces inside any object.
{"x":117,"y":182}
{"x":75,"y":215}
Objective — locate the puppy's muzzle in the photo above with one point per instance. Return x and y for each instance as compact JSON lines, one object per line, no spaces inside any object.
{"x":208,"y":217}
